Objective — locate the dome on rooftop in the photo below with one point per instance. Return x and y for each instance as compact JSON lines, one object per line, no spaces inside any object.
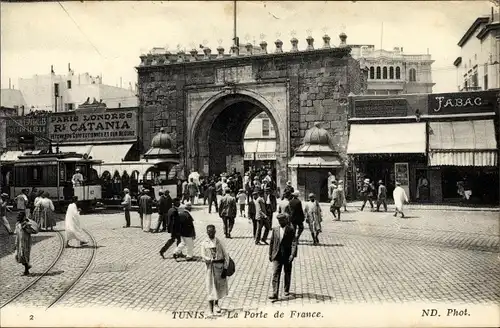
{"x":162,"y":140}
{"x":317,"y":136}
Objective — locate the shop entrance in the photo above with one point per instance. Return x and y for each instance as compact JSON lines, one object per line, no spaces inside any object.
{"x":483,"y":182}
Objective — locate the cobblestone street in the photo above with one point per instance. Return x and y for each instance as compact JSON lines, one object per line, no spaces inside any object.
{"x":432,"y":256}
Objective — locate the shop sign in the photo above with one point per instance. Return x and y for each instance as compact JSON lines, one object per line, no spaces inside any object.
{"x":396,"y":107}
{"x":21,"y":125}
{"x":461,"y":102}
{"x":100,"y":126}
{"x":249,"y":157}
{"x":265,"y":156}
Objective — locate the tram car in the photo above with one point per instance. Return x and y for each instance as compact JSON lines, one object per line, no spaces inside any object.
{"x":53,"y":173}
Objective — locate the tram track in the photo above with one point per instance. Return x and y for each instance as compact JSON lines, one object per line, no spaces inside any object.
{"x":48,"y":289}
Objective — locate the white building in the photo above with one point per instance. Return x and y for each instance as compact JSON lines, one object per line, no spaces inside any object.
{"x":478,"y":67}
{"x":57,"y":93}
{"x":260,"y":140}
{"x":12,"y":99}
{"x":394,"y":72}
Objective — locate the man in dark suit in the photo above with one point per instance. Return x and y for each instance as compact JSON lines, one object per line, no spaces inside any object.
{"x":212,"y":197}
{"x":296,"y":214}
{"x":227,"y":212}
{"x":282,"y":251}
{"x":252,"y":211}
{"x":271,"y":203}
{"x":164,"y":204}
{"x":173,"y":226}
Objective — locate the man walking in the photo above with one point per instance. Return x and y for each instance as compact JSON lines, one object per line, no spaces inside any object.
{"x":252,"y":213}
{"x":381,"y":196}
{"x":172,"y":227}
{"x":263,"y":220}
{"x":192,"y":191}
{"x":164,"y":205}
{"x":212,"y":198}
{"x":366,"y":194}
{"x":187,"y":233}
{"x":146,"y":209}
{"x":271,"y":204}
{"x":282,"y":251}
{"x":127,"y":205}
{"x":227,"y":212}
{"x":297,"y":216}
{"x":400,"y":198}
{"x":336,"y":203}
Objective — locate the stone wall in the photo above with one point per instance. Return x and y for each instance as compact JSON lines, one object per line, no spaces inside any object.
{"x":314,"y":85}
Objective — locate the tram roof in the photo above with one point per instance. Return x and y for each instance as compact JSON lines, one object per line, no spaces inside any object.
{"x":58,"y":157}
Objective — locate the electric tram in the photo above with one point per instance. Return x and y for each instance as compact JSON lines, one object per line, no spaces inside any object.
{"x":53,"y":173}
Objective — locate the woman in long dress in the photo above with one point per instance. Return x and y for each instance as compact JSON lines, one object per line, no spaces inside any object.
{"x":37,"y":211}
{"x":72,"y":224}
{"x":46,"y":213}
{"x":23,"y":241}
{"x":216,"y":259}
{"x":313,"y":214}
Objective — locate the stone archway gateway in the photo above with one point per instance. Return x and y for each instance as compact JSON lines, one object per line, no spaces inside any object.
{"x":205,"y":101}
{"x":217,"y":128}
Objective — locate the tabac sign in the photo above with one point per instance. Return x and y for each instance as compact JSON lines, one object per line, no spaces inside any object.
{"x":462,"y":102}
{"x":93,"y":126}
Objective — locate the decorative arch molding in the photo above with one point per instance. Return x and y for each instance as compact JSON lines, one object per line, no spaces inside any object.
{"x":278,"y":116}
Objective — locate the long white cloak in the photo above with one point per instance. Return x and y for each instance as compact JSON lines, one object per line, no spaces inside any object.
{"x":72,"y":224}
{"x":400,"y":197}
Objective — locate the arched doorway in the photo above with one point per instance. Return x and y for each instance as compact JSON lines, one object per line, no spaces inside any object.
{"x":218,"y":130}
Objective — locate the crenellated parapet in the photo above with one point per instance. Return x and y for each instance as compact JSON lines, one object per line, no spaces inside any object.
{"x":161,"y":58}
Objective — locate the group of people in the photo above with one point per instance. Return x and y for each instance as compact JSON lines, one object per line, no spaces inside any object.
{"x":368,"y":193}
{"x":35,"y":213}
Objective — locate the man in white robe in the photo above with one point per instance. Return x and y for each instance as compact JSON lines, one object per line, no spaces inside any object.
{"x":72,"y":224}
{"x":400,"y":198}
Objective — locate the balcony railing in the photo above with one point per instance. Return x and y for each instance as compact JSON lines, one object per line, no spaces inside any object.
{"x":475,"y":88}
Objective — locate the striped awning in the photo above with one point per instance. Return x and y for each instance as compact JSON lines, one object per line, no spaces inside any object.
{"x":463,"y":158}
{"x":260,"y":146}
{"x":462,"y":143}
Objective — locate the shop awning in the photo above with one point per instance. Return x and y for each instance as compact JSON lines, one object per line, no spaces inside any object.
{"x":110,"y":153}
{"x":463,"y":143}
{"x":260,"y":146}
{"x":79,"y":149}
{"x":11,"y":155}
{"x":315,"y":161}
{"x":402,"y":138}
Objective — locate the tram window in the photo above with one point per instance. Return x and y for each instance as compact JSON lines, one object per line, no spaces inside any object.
{"x":35,"y":175}
{"x":50,"y":176}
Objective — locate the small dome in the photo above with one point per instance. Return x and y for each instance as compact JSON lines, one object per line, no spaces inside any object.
{"x":317,"y":135}
{"x":162,"y":140}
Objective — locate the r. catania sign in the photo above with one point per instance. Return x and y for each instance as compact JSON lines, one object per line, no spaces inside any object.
{"x":93,"y":126}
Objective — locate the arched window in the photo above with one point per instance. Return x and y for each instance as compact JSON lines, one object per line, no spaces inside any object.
{"x":378,"y":72}
{"x":398,"y":73}
{"x":413,"y":75}
{"x":391,"y":73}
{"x":384,"y":73}
{"x":372,"y":73}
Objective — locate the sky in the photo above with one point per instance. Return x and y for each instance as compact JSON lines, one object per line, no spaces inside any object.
{"x":107,"y":38}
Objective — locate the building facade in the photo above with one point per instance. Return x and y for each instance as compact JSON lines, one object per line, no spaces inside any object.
{"x":259,"y":144}
{"x":205,"y":101}
{"x":61,"y":93}
{"x":394,"y":72}
{"x":478,"y":66}
{"x":432,"y":144}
